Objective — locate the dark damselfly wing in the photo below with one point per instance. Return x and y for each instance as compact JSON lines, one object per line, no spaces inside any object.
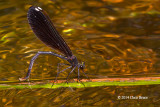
{"x":45,"y":30}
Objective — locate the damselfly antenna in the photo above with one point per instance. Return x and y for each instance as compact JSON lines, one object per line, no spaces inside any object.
{"x":44,"y":29}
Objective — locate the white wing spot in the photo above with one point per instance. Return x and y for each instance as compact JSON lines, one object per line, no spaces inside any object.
{"x":36,"y":9}
{"x":39,"y":8}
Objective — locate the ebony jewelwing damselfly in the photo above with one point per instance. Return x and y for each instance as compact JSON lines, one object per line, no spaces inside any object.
{"x":44,"y":29}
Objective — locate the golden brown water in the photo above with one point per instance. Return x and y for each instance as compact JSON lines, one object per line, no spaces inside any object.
{"x":114,"y":38}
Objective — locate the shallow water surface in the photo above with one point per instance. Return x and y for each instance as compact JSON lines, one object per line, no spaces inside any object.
{"x":117,"y":38}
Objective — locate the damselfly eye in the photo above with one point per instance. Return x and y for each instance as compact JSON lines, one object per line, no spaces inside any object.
{"x":82,"y":66}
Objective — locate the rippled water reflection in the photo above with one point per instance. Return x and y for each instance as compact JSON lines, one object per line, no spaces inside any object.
{"x":113,"y":38}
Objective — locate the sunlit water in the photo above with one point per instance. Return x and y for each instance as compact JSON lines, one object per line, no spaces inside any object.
{"x":113,"y":38}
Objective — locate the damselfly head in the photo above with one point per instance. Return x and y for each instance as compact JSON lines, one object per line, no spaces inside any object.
{"x":82,"y":65}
